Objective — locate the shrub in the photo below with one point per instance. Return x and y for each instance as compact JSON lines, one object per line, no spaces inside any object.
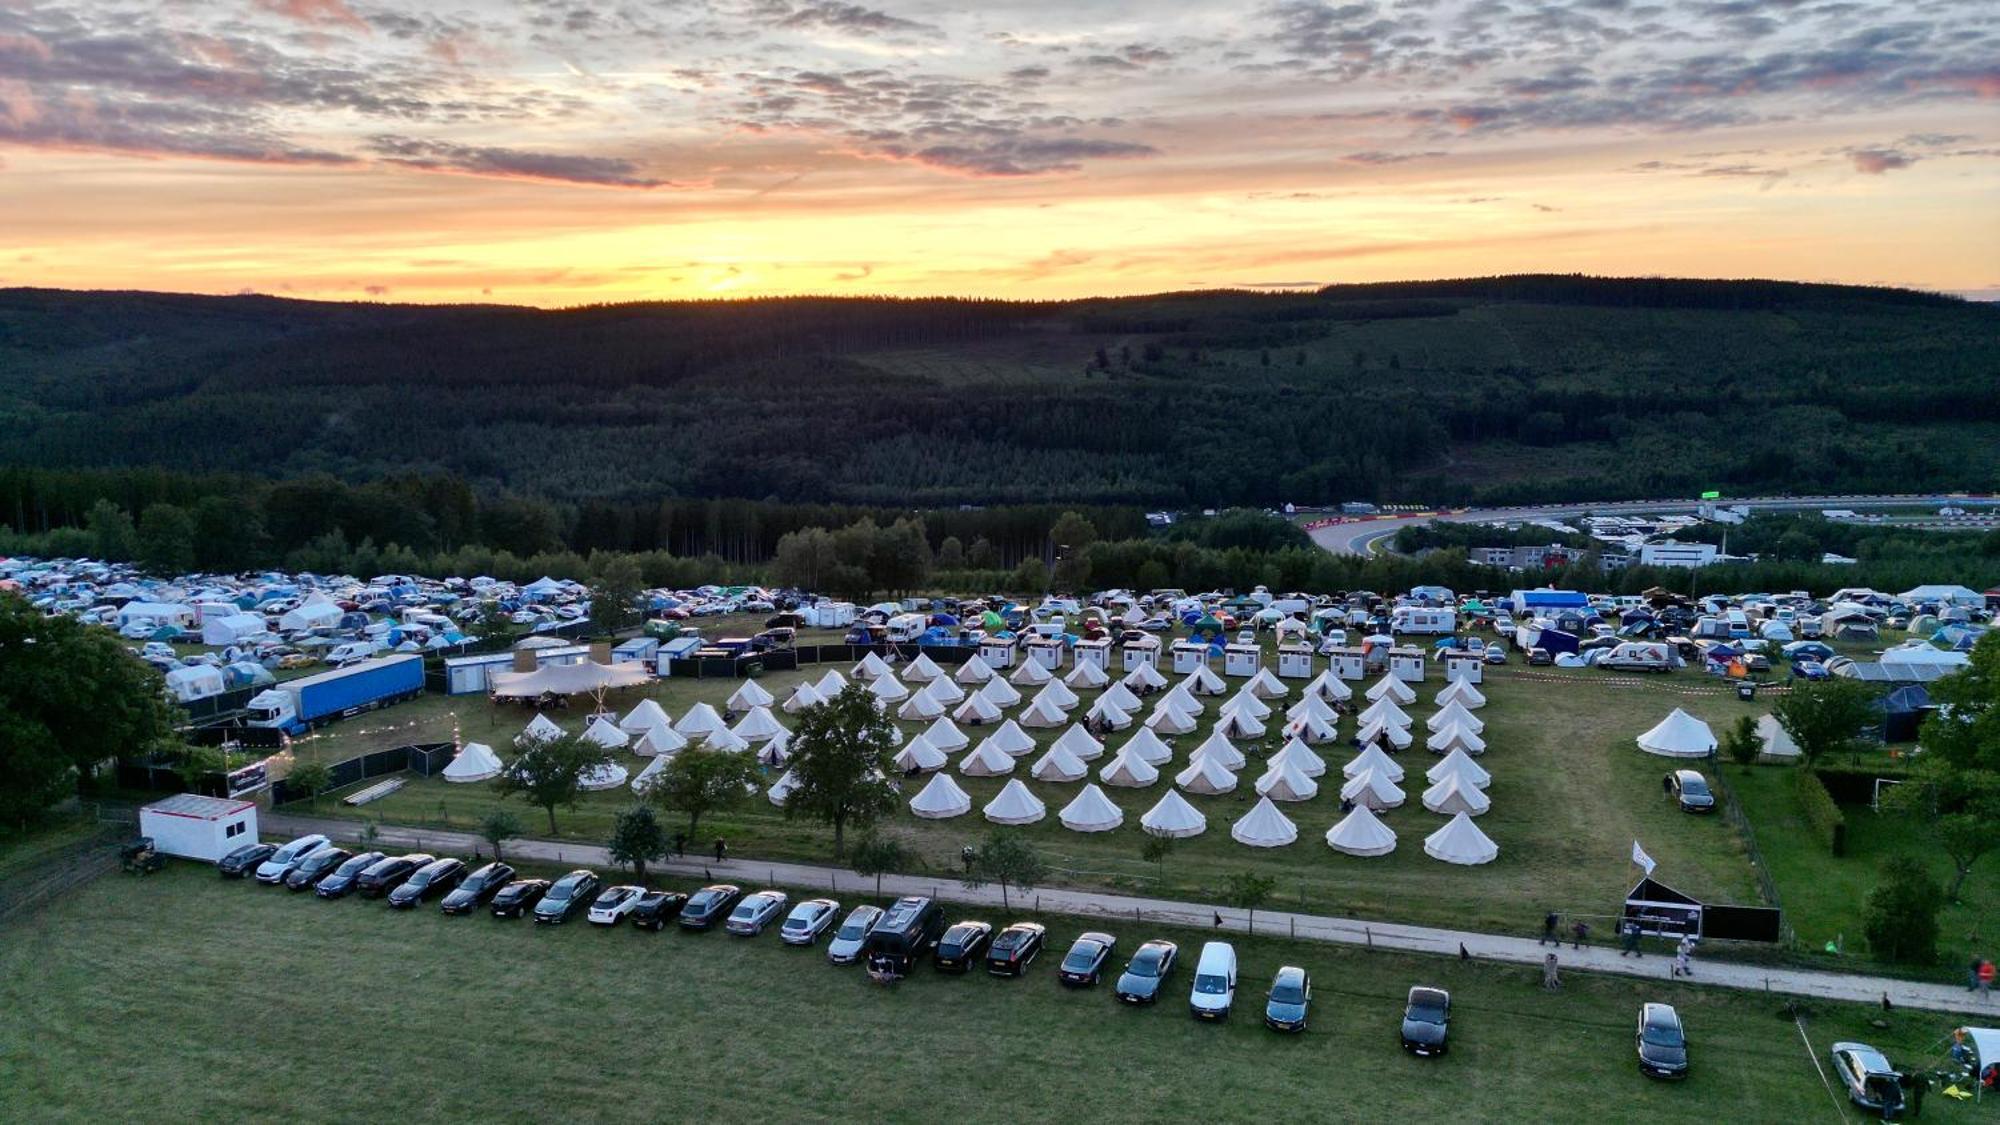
{"x":1901,"y":919}
{"x":1827,"y":821}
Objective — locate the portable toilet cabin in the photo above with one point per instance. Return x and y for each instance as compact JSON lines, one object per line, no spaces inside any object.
{"x":997,"y":652}
{"x":1145,"y":650}
{"x":1242,"y":660}
{"x":204,"y":828}
{"x":1467,"y":666}
{"x":1407,"y":664}
{"x":1189,"y":655}
{"x":467,"y":675}
{"x":1348,"y":662}
{"x":639,"y":649}
{"x":1295,"y":662}
{"x":1096,"y":651}
{"x":1046,"y":651}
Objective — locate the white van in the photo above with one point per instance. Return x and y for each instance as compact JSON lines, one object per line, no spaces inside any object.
{"x":1214,"y":982}
{"x":1639,"y":656}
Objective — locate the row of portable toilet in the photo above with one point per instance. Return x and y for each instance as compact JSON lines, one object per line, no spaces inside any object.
{"x":1294,"y":662}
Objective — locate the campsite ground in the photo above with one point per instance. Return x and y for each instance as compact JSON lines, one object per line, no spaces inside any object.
{"x":476,"y":1019}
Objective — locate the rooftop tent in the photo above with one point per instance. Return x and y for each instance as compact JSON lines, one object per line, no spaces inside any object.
{"x":1372,"y":788}
{"x":1147,"y":747}
{"x":1109,"y":714}
{"x":1217,"y":746}
{"x":831,"y":684}
{"x":888,"y":689}
{"x":1299,"y":756}
{"x":699,"y":722}
{"x":1463,"y":693}
{"x":750,"y":694}
{"x":1385,"y":712}
{"x":605,"y":733}
{"x":1903,"y":711}
{"x":783,"y":788}
{"x":1174,"y":818}
{"x":233,"y":628}
{"x":999,"y":692}
{"x":922,"y":670}
{"x":1330,"y":687}
{"x":1169,"y":719}
{"x":1204,"y":681}
{"x":945,"y":735}
{"x":586,"y":678}
{"x":1454,"y":714}
{"x":1091,"y":811}
{"x":1392,"y":689}
{"x":1206,"y":775}
{"x":1455,"y":795}
{"x":1379,"y":731}
{"x":870,"y":667}
{"x":920,"y":707}
{"x":1267,"y":686}
{"x":802,"y":697}
{"x":650,"y":774}
{"x":977,"y":709}
{"x":918,"y":754}
{"x":1286,"y":783}
{"x":610,"y":775}
{"x":1460,"y":765}
{"x":1128,"y":770}
{"x":941,"y":799}
{"x":1078,"y":741}
{"x":1461,"y":842}
{"x":1778,"y":743}
{"x":1031,"y":673}
{"x":1264,"y":827}
{"x":476,"y":762}
{"x":1373,"y":758}
{"x":1184,"y":700}
{"x":539,"y":729}
{"x":1311,"y":728}
{"x":1315,"y":706}
{"x":1058,"y":764}
{"x":1679,"y":735}
{"x":1143,"y":677}
{"x":986,"y":760}
{"x":1456,"y":737}
{"x":974,"y":671}
{"x":725,"y":739}
{"x":947,"y":693}
{"x":758,"y":725}
{"x":1361,"y":833}
{"x":1121,"y":697}
{"x":1043,"y":714}
{"x":1058,"y":693}
{"x":643,"y":717}
{"x":1015,"y":805}
{"x":1248,"y":704}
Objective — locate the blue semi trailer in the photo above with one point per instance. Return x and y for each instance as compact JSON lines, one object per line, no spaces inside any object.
{"x":299,"y":705}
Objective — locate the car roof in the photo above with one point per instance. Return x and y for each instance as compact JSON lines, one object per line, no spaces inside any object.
{"x":1686,"y":774}
{"x":1429,"y":995}
{"x":1289,"y":972}
{"x":1098,"y":937}
{"x":1874,"y":1060}
{"x":1659,"y":1014}
{"x":1028,"y":928}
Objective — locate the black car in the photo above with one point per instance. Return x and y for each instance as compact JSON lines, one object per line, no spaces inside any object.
{"x":1016,"y":948}
{"x":709,"y":906}
{"x":390,"y":873}
{"x":519,"y":897}
{"x":1690,"y":791}
{"x":1147,"y":972}
{"x":430,"y":881}
{"x":1084,"y":964}
{"x":241,"y":862}
{"x":339,"y":881}
{"x":477,"y":888}
{"x":1661,"y":1042}
{"x":656,"y":908}
{"x":961,"y":946}
{"x":1426,"y":1021}
{"x":567,"y":895}
{"x":315,"y":867}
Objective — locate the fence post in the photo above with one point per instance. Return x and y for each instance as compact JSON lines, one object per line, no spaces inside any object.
{"x":1293,"y":924}
{"x":1368,"y":936}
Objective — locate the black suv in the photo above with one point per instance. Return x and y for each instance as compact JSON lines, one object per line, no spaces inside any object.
{"x":519,"y":897}
{"x":477,"y":888}
{"x":241,"y":862}
{"x":656,"y":908}
{"x":339,"y":881}
{"x":429,"y":881}
{"x":315,"y":867}
{"x":390,"y":873}
{"x":962,"y":946}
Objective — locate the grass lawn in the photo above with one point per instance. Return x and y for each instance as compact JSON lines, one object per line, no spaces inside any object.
{"x":230,"y":1001}
{"x":21,"y":850}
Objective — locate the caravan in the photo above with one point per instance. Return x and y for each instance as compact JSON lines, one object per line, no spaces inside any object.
{"x":1423,"y":620}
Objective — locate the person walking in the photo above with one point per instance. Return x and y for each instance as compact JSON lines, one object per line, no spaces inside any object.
{"x":1577,"y":933}
{"x":721,"y":849}
{"x":1972,"y":975}
{"x":1682,"y":953}
{"x":1985,"y":979}
{"x":681,"y":844}
{"x":1549,"y":935}
{"x":1630,"y":933}
{"x":967,"y":855}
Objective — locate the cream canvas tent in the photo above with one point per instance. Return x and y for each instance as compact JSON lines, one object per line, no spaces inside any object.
{"x":1286,"y":783}
{"x":1088,"y":674}
{"x":941,"y":799}
{"x":776,"y":752}
{"x":1248,"y":704}
{"x":1384,"y":711}
{"x":1372,"y":758}
{"x":1361,"y":833}
{"x":1379,"y":731}
{"x":1454,"y":714}
{"x":659,"y":742}
{"x":1311,"y":728}
{"x":973,"y":672}
{"x":1453,"y":795}
{"x":1218,"y":747}
{"x":1144,"y":677}
{"x":1058,"y":764}
{"x":1015,"y":805}
{"x":1129,"y":771}
{"x":1460,"y":765}
{"x":758,"y":725}
{"x":1267,"y":686}
{"x":645,"y":716}
{"x":831,"y":684}
{"x":920,"y":707}
{"x":1392,"y":689}
{"x":870,"y":667}
{"x":1169,"y":719}
{"x":1109,"y":715}
{"x":1373,"y":789}
{"x":750,"y":694}
{"x":1460,"y":841}
{"x":976,"y":709}
{"x":1264,"y":827}
{"x":986,"y":760}
{"x":1011,"y":738}
{"x":1031,"y":673}
{"x":1043,"y":714}
{"x":782,"y":788}
{"x":1299,"y":756}
{"x":1240,"y":726}
{"x":1204,"y":681}
{"x":1679,"y":735}
{"x":1205,"y":775}
{"x":1778,"y":743}
{"x":1462,"y":693}
{"x":475,"y":762}
{"x":945,"y":735}
{"x":586,"y":678}
{"x":918,"y":754}
{"x":539,"y":729}
{"x":888,"y":688}
{"x":1121,"y":697}
{"x":1091,"y":811}
{"x":947,"y":693}
{"x":650,"y":774}
{"x":1147,"y":747}
{"x":1330,"y":687}
{"x":610,"y":775}
{"x":1455,"y":737}
{"x":999,"y":693}
{"x":726,"y":739}
{"x":1058,"y":693}
{"x":1183,"y":700}
{"x":699,"y":722}
{"x":1173,"y":817}
{"x":802,"y":697}
{"x":1315,"y":706}
{"x":603,"y":732}
{"x":922,"y":670}
{"x":1078,"y":741}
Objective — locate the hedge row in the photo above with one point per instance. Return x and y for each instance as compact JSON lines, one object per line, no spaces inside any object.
{"x":1825,"y":817}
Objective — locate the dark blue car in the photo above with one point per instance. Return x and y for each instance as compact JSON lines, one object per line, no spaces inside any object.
{"x":1290,"y":998}
{"x":1149,"y":968}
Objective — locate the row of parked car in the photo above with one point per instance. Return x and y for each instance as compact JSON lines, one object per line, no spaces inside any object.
{"x":891,"y":942}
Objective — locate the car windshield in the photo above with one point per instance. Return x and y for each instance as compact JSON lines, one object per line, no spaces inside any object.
{"x":1424,"y":1012}
{"x":475,"y":883}
{"x":1012,"y":939}
{"x":1211,"y":984}
{"x":1694,"y":787}
{"x":561,"y":891}
{"x":1662,"y":1035}
{"x":1146,"y":964}
{"x":1288,"y":991}
{"x":356,"y":864}
{"x":747,"y":909}
{"x":1082,"y":955}
{"x":702,"y":900}
{"x":423,"y":878}
{"x":853,"y":930}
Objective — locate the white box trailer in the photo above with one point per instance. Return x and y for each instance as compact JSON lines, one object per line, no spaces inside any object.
{"x":204,"y":828}
{"x":1348,"y":663}
{"x":1242,"y":660}
{"x":1407,"y":664}
{"x":1295,"y":662}
{"x":1137,"y":653}
{"x":1467,"y":666}
{"x":1095,"y":651}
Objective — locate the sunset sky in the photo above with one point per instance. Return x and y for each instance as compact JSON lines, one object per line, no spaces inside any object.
{"x":559,"y":152}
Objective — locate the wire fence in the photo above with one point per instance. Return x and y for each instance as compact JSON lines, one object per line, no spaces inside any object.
{"x":1767,"y":887}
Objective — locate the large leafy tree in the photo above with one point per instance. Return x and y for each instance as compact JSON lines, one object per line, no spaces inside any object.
{"x":1900,"y":920}
{"x":1956,"y":791}
{"x":1826,"y":717}
{"x":166,"y":539}
{"x":840,"y":764}
{"x":549,"y":773}
{"x":614,"y":593}
{"x":637,"y":839}
{"x":699,"y":781}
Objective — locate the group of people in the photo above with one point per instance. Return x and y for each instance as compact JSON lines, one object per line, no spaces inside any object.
{"x":1629,"y":934}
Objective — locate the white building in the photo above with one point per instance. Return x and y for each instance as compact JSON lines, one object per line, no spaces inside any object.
{"x":1685,"y":555}
{"x":204,"y":828}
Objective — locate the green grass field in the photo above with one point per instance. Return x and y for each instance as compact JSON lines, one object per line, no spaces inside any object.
{"x":181,"y":996}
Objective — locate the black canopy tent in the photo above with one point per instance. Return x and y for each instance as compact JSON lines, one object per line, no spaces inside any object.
{"x":1662,"y":911}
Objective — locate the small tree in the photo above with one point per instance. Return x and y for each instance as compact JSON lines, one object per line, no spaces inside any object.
{"x":310,"y":778}
{"x":840,"y":764}
{"x":1156,"y":848}
{"x":499,"y":825}
{"x":879,"y":855}
{"x":1742,"y":744}
{"x":550,"y":772}
{"x":637,"y":839}
{"x":1827,"y":716}
{"x":1248,"y":891}
{"x":1010,"y":861}
{"x":1958,"y":808}
{"x":699,"y":781}
{"x":1901,"y":919}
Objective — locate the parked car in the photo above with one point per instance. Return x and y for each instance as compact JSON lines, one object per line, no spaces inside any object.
{"x":808,"y":920}
{"x":656,"y":908}
{"x":1495,"y":654}
{"x":845,"y":948}
{"x":1426,"y":1021}
{"x":911,"y":926}
{"x":1690,"y":791}
{"x":1083,"y":965}
{"x":1147,"y":972}
{"x":432,"y":880}
{"x":1290,"y":999}
{"x":519,"y":897}
{"x":387,"y":874}
{"x":962,"y":946}
{"x":755,"y":912}
{"x":1871,"y":1082}
{"x":567,"y":895}
{"x":244,"y":860}
{"x":613,"y":904}
{"x":315,"y":867}
{"x":1661,"y":1042}
{"x":708,"y":906}
{"x":1015,"y":949}
{"x":477,"y":888}
{"x":1214,"y":982}
{"x":338,"y":882}
{"x":272,"y":871}
{"x":1540,"y":658}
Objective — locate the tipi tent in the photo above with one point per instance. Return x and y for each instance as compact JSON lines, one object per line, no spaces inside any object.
{"x":941,"y":799}
{"x":1378,"y":731}
{"x":947,"y":693}
{"x":610,"y":775}
{"x":1204,"y":681}
{"x":1078,"y":741}
{"x":1218,"y":747}
{"x":1144,"y":677}
{"x":1315,"y":706}
{"x":1011,"y":738}
{"x":1015,"y":805}
{"x":758,"y":725}
{"x":647,"y":715}
{"x":977,"y":709}
{"x":1206,"y":776}
{"x":539,"y":729}
{"x":999,"y":693}
{"x":1392,"y":689}
{"x":605,"y":733}
{"x":922,"y":706}
{"x":986,"y":760}
{"x":1679,"y":735}
{"x":1460,"y":841}
{"x":1453,"y":795}
{"x":802,"y":697}
{"x":1043,"y":713}
{"x":1169,"y":719}
{"x":1455,"y":737}
{"x":699,"y":722}
{"x":1058,"y":764}
{"x":1300,"y":757}
{"x":1147,"y":747}
{"x":1173,"y":817}
{"x":1311,"y":728}
{"x":1361,"y":833}
{"x":475,"y":762}
{"x":1372,"y":758}
{"x":1087,"y":675}
{"x":659,"y":742}
{"x":1460,"y":765}
{"x":1091,"y":811}
{"x":1240,"y":726}
{"x":871,"y":667}
{"x":1384,"y":711}
{"x":1330,"y":687}
{"x":1264,"y":827}
{"x":1454,"y":714}
{"x":918,"y":754}
{"x":1462,"y":693}
{"x":1248,"y":704}
{"x":1031,"y":673}
{"x":750,"y":694}
{"x":831,"y":684}
{"x":1286,"y":783}
{"x":783,"y":788}
{"x":1182,"y":700}
{"x":922,"y":670}
{"x":1058,"y":693}
{"x":1373,"y":789}
{"x":726,"y":739}
{"x":1109,"y":715}
{"x":945,"y":735}
{"x":973,"y":672}
{"x":1778,"y":742}
{"x":650,"y":774}
{"x":1121,"y":697}
{"x":888,"y":688}
{"x":1129,"y":771}
{"x":776,"y":752}
{"x":1267,"y":685}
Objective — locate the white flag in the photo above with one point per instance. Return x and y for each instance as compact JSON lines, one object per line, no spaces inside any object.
{"x":1640,"y":857}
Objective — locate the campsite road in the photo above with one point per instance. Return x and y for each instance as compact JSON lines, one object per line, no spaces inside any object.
{"x":1310,"y":927}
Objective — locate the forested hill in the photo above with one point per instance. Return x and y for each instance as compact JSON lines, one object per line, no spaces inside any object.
{"x":1484,"y":389}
